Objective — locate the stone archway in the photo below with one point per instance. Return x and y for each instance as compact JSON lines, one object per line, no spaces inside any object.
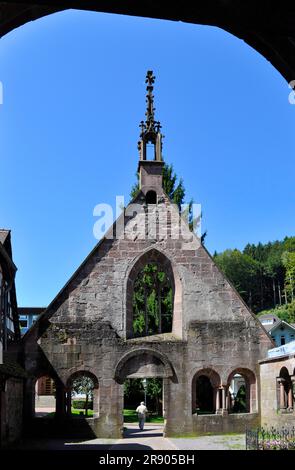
{"x":94,"y":392}
{"x":285,"y":391}
{"x":44,"y":395}
{"x":147,"y":363}
{"x":143,"y":362}
{"x":250,"y":386}
{"x":267,"y":26}
{"x":206,"y":391}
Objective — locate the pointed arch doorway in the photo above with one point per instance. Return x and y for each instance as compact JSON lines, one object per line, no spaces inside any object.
{"x":145,"y":369}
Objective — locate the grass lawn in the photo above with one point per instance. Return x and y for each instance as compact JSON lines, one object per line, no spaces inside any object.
{"x":74,"y":413}
{"x":130,"y":416}
{"x":77,"y":413}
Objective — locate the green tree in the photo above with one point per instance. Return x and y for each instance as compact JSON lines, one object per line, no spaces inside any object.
{"x":240,"y":401}
{"x":133,"y":388}
{"x":288,"y":259}
{"x":289,"y":244}
{"x":154,"y":392}
{"x":83,"y":385}
{"x":134,"y":393}
{"x":240,"y":269}
{"x":270,"y":274}
{"x":152,"y":302}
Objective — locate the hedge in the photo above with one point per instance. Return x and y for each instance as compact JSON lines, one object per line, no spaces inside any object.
{"x":80,"y":405}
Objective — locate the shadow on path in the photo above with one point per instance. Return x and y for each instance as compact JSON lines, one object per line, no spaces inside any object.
{"x":133,"y":433}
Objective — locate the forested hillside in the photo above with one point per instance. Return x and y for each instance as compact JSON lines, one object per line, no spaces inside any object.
{"x":264,"y":275}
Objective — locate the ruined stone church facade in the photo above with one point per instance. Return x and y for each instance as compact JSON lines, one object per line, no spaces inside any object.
{"x":89,"y":326}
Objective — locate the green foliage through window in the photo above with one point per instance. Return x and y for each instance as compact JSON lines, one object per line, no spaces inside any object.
{"x":152,"y":302}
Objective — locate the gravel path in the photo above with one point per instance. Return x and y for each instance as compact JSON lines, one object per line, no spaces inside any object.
{"x":151,"y":438}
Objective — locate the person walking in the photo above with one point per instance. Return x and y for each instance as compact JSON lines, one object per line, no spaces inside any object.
{"x":141,"y":411}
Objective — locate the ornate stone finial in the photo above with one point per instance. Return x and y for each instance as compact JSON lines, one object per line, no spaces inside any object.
{"x":150,"y":111}
{"x":150,"y":129}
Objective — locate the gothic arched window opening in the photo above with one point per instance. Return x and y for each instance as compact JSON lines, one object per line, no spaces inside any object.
{"x":285,"y":390}
{"x":152,"y":301}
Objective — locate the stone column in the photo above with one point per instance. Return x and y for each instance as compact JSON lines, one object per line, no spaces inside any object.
{"x":290,"y":398}
{"x":164,"y":402}
{"x":227,"y":402}
{"x":179,"y":419}
{"x":292,"y":385}
{"x":60,"y":402}
{"x":96,"y":402}
{"x":282,"y":394}
{"x":223,"y":398}
{"x":164,"y":386}
{"x":109,"y":424}
{"x":217,"y":400}
{"x":224,"y":401}
{"x":29,"y":399}
{"x":249,"y":398}
{"x":69,"y":403}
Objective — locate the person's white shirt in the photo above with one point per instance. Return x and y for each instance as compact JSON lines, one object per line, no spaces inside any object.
{"x":141,"y":410}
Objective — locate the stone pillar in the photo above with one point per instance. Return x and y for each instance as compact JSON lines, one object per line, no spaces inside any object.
{"x":96,"y":402}
{"x":164,"y":402}
{"x":223,"y":401}
{"x":292,"y":385}
{"x":179,"y":419}
{"x":164,"y":398}
{"x":249,"y":398}
{"x":217,"y":400}
{"x":290,"y":398}
{"x":282,"y":394}
{"x":223,"y":398}
{"x":227,"y":402}
{"x":29,"y":399}
{"x":69,"y":403}
{"x":60,"y":412}
{"x":109,"y":424}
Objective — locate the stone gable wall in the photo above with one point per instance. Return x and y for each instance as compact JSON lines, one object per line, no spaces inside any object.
{"x":87,"y":323}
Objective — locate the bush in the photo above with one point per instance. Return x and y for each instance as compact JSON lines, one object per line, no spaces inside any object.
{"x":80,"y":405}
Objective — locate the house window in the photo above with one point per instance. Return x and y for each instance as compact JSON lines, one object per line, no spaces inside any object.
{"x":23,"y":323}
{"x":283,"y":341}
{"x":267,"y":322}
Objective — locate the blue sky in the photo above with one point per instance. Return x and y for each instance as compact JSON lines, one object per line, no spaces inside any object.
{"x":74,"y":94}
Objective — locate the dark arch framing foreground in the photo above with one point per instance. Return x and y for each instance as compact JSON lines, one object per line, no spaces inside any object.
{"x":266,"y":25}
